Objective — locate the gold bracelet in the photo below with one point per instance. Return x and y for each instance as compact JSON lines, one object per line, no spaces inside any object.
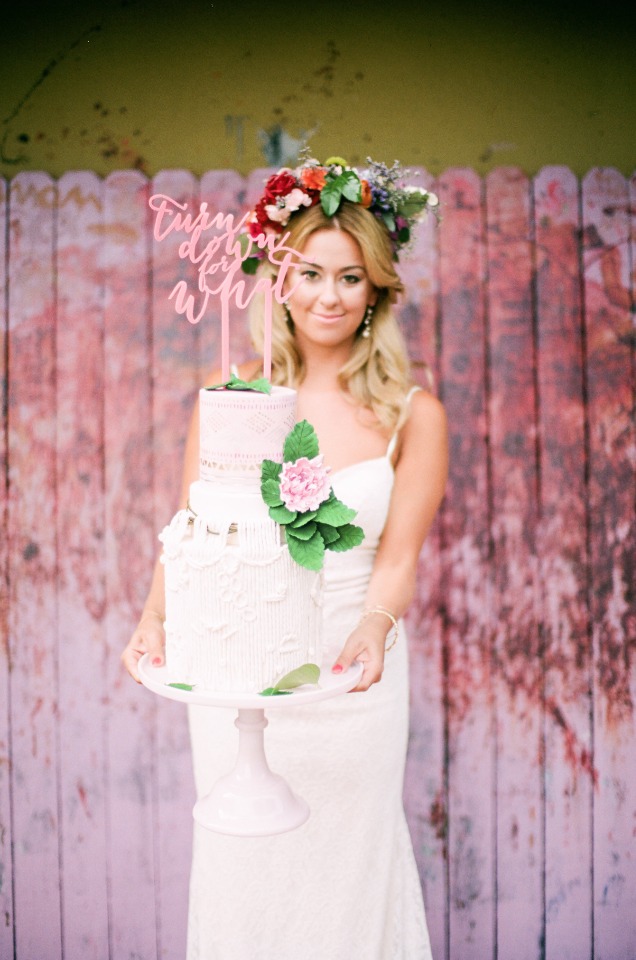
{"x":393,"y":632}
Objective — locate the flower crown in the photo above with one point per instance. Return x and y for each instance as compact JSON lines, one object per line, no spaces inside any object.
{"x":378,"y":188}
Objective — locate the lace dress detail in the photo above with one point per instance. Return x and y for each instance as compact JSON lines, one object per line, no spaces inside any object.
{"x":345,"y":884}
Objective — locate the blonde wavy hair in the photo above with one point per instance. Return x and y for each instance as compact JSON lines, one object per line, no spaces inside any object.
{"x":377,"y":374}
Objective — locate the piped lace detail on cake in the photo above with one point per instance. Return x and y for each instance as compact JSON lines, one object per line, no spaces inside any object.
{"x":240,"y":611}
{"x":240,"y":430}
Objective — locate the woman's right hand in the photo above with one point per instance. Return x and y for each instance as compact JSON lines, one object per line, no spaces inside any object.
{"x":150,"y":638}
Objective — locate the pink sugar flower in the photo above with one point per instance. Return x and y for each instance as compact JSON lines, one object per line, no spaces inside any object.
{"x":304,"y":484}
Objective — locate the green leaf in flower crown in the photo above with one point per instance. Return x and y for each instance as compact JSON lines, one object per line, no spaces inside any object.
{"x":411,"y":205}
{"x":303,"y":533}
{"x":330,"y":197}
{"x":308,"y":553}
{"x":250,"y":266}
{"x":349,"y":536}
{"x":280,"y":514}
{"x":347,"y":185}
{"x":307,"y":673}
{"x":334,"y":512}
{"x":301,"y":442}
{"x":389,"y":220}
{"x":270,"y":491}
{"x":245,"y":243}
{"x":404,"y":235}
{"x":351,"y":187}
{"x":328,"y":533}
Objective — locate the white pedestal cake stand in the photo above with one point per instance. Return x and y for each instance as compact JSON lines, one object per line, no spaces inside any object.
{"x":251,"y":801}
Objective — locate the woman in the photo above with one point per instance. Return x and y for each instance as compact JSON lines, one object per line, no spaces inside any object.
{"x":344,"y":884}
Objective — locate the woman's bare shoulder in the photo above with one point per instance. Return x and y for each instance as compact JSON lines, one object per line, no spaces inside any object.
{"x":426,"y":411}
{"x":425,"y":430}
{"x":426,"y":419}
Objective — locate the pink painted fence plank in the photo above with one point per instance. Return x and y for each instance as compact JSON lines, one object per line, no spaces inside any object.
{"x":418,"y":309}
{"x":6,"y":828}
{"x":33,"y":568}
{"x":514,"y":520}
{"x":130,"y":551}
{"x":175,"y":373}
{"x":612,"y":493}
{"x":562,"y":555}
{"x":468,"y":635}
{"x":424,"y":790}
{"x":81,"y":565}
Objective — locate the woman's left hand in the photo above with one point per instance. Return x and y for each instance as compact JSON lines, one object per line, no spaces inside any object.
{"x":366,"y":645}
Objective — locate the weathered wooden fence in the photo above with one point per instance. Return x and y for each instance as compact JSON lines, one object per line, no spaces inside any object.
{"x":521,"y":788}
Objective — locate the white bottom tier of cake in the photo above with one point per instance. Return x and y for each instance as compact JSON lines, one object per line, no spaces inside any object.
{"x":240,"y":613}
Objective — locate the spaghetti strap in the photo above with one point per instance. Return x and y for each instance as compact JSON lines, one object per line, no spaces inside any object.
{"x":393,"y":441}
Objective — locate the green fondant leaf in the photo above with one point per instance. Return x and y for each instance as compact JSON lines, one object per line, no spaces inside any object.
{"x":307,"y":673}
{"x":181,"y":686}
{"x":273,"y":692}
{"x":334,"y":512}
{"x":349,"y":536}
{"x":308,"y":553}
{"x":270,"y":470}
{"x":328,"y":533}
{"x":301,"y":442}
{"x":304,"y":518}
{"x":270,"y":491}
{"x":282,"y":514}
{"x":303,"y":533}
{"x":235,"y":383}
{"x":262,"y":385}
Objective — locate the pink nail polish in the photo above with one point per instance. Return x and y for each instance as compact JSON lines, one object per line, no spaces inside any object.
{"x":156,"y":661}
{"x":337,"y":668}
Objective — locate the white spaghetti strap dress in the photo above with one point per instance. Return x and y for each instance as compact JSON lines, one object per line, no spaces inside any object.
{"x":345,"y":884}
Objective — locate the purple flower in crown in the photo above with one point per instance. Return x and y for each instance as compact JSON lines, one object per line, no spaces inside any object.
{"x":304,"y":484}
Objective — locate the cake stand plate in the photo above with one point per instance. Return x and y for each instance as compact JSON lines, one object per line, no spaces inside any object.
{"x":251,"y":801}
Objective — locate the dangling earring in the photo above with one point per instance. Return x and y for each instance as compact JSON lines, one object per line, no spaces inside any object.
{"x":288,"y":317}
{"x":366,"y":323}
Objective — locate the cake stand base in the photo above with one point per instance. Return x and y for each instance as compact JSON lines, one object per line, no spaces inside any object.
{"x":251,"y":801}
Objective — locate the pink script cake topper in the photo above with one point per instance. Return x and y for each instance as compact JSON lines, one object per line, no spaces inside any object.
{"x":219,"y":261}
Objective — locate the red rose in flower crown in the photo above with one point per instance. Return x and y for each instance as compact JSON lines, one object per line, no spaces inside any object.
{"x":260,"y":222}
{"x":279,"y":185}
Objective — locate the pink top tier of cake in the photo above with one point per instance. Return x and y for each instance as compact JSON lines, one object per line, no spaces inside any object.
{"x":239,"y":429}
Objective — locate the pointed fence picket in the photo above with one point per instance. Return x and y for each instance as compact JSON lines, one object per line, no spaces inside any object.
{"x":521,"y":777}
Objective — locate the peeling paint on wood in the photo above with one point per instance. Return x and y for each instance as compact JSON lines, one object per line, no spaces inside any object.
{"x":520,"y":787}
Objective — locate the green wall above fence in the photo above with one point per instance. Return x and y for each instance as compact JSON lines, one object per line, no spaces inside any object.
{"x":215,"y":84}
